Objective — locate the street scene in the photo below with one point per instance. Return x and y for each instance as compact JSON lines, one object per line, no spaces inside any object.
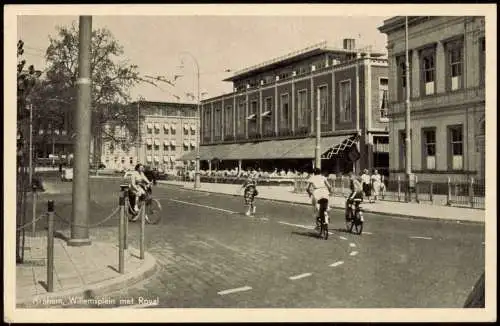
{"x":339,"y":167}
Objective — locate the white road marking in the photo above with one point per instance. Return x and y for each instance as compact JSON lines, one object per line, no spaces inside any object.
{"x":343,"y":238}
{"x":298,"y":225}
{"x":296,"y":277}
{"x":199,"y":205}
{"x":352,"y":245}
{"x":425,"y":238}
{"x":241,"y":289}
{"x":354,"y":253}
{"x":367,"y":233}
{"x":338,"y":263}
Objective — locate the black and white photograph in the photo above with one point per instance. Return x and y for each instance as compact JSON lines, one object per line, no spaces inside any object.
{"x":230,"y":162}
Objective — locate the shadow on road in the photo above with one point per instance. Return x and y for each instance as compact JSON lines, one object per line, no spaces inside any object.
{"x":306,"y":234}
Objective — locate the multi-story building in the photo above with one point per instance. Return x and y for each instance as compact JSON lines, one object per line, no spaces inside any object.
{"x":447,"y":99}
{"x":166,"y":132}
{"x":269,"y":120}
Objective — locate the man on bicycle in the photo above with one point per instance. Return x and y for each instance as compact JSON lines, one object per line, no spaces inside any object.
{"x":319,"y":189}
{"x":139,"y":184}
{"x":356,"y":192}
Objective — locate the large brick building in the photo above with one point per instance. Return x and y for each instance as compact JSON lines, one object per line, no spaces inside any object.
{"x":166,"y":132}
{"x":269,"y":120}
{"x":447,"y":78}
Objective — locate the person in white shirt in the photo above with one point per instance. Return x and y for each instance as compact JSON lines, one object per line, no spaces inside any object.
{"x":367,"y":184}
{"x":319,"y":189}
{"x":138,"y":185}
{"x":378,"y":185}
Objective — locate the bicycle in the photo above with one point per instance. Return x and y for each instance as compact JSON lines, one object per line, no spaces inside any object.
{"x":354,"y":220}
{"x":151,"y":205}
{"x":321,"y":219}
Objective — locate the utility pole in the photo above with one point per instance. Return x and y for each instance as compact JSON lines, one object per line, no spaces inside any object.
{"x":407,"y":121}
{"x":138,"y":142}
{"x":81,"y":191}
{"x":317,"y":150}
{"x":197,"y":182}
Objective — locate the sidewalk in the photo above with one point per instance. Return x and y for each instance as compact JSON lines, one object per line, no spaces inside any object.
{"x":286,"y":194}
{"x":80,"y":273}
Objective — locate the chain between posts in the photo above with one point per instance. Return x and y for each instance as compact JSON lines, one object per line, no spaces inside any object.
{"x":32,"y":222}
{"x":93,"y":225}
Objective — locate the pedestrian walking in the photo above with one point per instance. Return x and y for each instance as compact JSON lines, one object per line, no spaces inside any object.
{"x":250,"y":192}
{"x":377,"y":184}
{"x":366,"y":184}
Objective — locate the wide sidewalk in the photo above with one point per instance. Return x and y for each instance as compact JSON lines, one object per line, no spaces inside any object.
{"x":286,"y":194}
{"x":80,"y":273}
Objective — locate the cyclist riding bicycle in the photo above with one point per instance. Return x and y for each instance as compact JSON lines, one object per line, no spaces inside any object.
{"x":319,"y":189}
{"x":356,"y":192}
{"x":139,"y":186}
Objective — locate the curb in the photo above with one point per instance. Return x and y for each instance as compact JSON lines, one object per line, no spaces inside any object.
{"x":103,"y":288}
{"x":455,"y":220}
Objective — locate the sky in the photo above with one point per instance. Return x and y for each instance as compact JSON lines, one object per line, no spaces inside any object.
{"x":156,"y":43}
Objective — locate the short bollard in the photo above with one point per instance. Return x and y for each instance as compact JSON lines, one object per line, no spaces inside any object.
{"x":124,"y":193}
{"x":416,"y":190}
{"x":432,"y":192}
{"x":121,"y":241}
{"x":143,"y":222}
{"x":50,"y":247}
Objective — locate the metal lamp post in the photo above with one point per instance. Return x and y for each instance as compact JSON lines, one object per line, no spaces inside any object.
{"x":197,"y":166}
{"x":407,"y":120}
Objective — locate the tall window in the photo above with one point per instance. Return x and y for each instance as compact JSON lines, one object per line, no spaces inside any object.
{"x":240,"y":123}
{"x":428,"y":69}
{"x":482,"y":61}
{"x":284,"y":115}
{"x":228,"y":122}
{"x":345,"y":101}
{"x":401,"y":61}
{"x":302,"y":109}
{"x":456,"y":150}
{"x":252,"y":119}
{"x":429,"y":148}
{"x":206,"y":124}
{"x":454,"y":66}
{"x":267,"y":117}
{"x":323,"y":104}
{"x":382,"y":97}
{"x":217,"y":123}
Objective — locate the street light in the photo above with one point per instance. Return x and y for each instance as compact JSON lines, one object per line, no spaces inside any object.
{"x":138,"y":141}
{"x":197,"y":166}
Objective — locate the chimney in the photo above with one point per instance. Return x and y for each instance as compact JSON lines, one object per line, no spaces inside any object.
{"x":349,"y":44}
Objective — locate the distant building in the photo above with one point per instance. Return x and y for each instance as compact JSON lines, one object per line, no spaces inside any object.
{"x":167,"y":131}
{"x":447,"y":83}
{"x":269,"y":120}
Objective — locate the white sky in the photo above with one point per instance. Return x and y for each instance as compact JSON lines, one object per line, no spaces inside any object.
{"x":155,"y":43}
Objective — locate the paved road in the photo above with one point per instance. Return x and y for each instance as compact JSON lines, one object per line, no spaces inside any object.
{"x":211,"y":255}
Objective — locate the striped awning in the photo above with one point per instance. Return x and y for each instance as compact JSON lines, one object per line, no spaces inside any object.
{"x":172,"y":142}
{"x":186,"y":127}
{"x":157,"y":126}
{"x":149,"y":141}
{"x":148,"y":158}
{"x":172,"y":158}
{"x":165,"y":158}
{"x":166,"y":143}
{"x":186,"y":143}
{"x":173,"y":126}
{"x":193,"y":127}
{"x":149,"y":126}
{"x":157,"y":159}
{"x":166,"y":126}
{"x":193,"y":143}
{"x":157,"y":142}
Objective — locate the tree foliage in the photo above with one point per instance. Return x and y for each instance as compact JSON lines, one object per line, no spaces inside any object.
{"x":26,"y":82}
{"x":112,"y":77}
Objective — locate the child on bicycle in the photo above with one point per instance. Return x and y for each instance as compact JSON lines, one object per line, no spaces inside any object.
{"x":250,"y":192}
{"x":319,"y":189}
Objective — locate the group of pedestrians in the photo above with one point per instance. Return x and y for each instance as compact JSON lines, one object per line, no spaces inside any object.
{"x":373,"y":185}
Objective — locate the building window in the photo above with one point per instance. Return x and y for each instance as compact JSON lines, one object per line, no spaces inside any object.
{"x":217,"y":123}
{"x":428,"y":69}
{"x":454,"y":66}
{"x":240,"y":122}
{"x":482,"y":61}
{"x":456,"y":150}
{"x":383,"y":90}
{"x":429,"y":148}
{"x":285,"y":117}
{"x":228,"y":121}
{"x":302,"y":109}
{"x":206,"y":124}
{"x":252,"y":119}
{"x":345,"y":101}
{"x":323,"y":104}
{"x":401,"y":60}
{"x":402,"y":148}
{"x":267,"y":121}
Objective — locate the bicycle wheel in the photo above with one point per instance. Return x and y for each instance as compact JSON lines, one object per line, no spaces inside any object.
{"x":358,"y":223}
{"x":153,"y":210}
